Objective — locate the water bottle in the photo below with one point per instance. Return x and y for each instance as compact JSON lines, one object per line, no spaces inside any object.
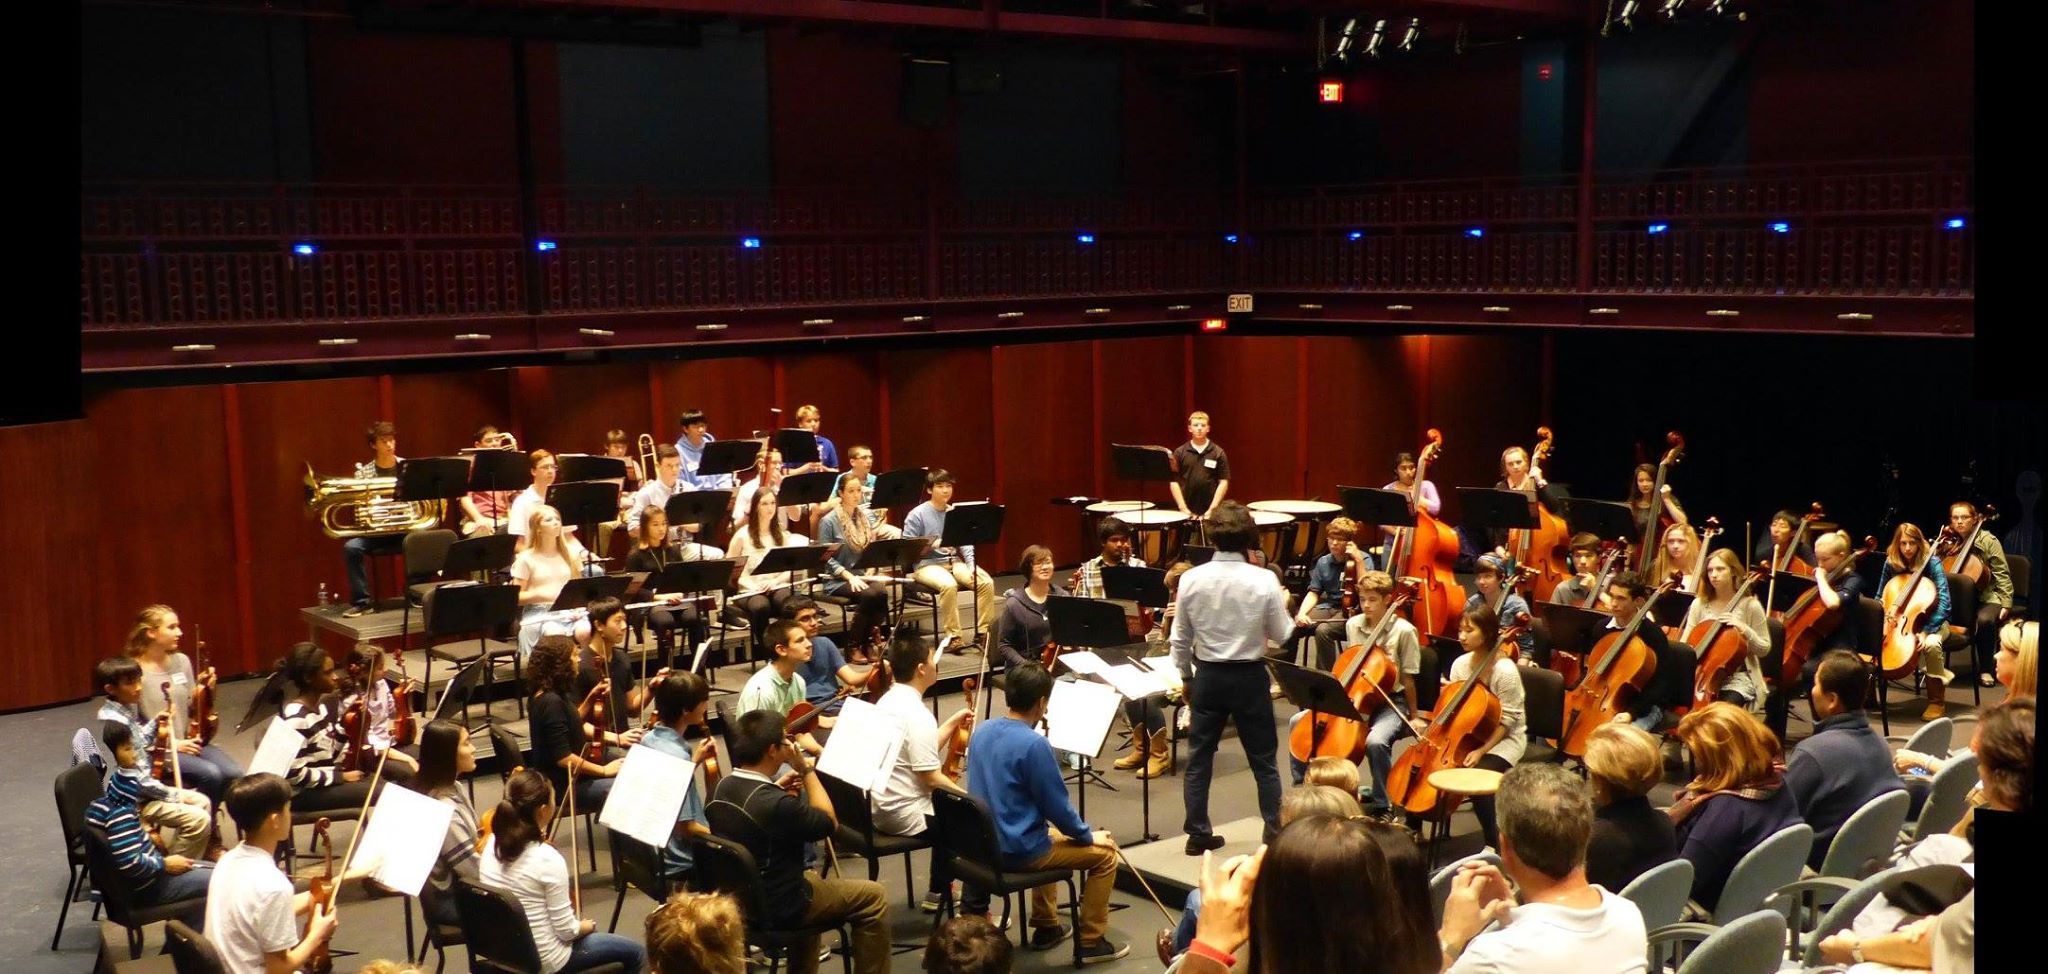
{"x":323,"y":597}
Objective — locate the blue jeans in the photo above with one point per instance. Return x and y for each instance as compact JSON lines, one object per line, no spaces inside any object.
{"x":533,"y":624}
{"x":1190,"y":915}
{"x":599,"y":949}
{"x":209,"y":771}
{"x":188,"y":885}
{"x":356,"y":552}
{"x":1379,"y":754}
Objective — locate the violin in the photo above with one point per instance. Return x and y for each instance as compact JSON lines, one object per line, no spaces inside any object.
{"x":404,"y":726}
{"x":163,"y":750}
{"x":1959,"y":554}
{"x":594,"y":712}
{"x":1466,"y":717}
{"x":1621,"y":665}
{"x":804,"y":714}
{"x":1428,"y":552}
{"x":1809,"y":621}
{"x":205,"y":719}
{"x":355,"y":725}
{"x":1656,"y":526}
{"x":322,"y":888}
{"x":710,"y":763}
{"x":1722,"y":647}
{"x":954,"y":763}
{"x":1788,"y":560}
{"x":1369,"y":676}
{"x":1908,"y":598}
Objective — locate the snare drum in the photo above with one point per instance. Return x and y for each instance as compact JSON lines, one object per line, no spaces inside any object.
{"x":1273,"y":532}
{"x":1155,"y":534}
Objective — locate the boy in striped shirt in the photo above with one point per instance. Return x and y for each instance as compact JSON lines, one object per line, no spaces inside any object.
{"x":184,"y":817}
{"x":152,"y":875}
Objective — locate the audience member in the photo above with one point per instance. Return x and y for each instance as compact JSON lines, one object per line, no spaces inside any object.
{"x":1844,"y":764}
{"x":1630,"y":837}
{"x":1736,"y":800}
{"x":967,"y":945}
{"x":696,"y":933}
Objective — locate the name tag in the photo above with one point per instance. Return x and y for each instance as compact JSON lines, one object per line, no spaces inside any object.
{"x":1211,"y":464}
{"x":179,"y":679}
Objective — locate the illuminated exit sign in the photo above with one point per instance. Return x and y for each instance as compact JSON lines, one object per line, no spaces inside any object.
{"x":1332,"y":92}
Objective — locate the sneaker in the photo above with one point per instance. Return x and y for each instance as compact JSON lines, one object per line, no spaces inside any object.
{"x":1102,"y":950}
{"x":1198,"y":844}
{"x":1046,"y":938}
{"x":354,"y":611}
{"x":1987,"y":680}
{"x":930,"y":903}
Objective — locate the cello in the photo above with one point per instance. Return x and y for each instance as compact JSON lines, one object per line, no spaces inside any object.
{"x":1907,"y":598}
{"x":1468,"y":714}
{"x":1654,"y":530}
{"x":1428,"y":552}
{"x":1622,"y":664}
{"x":1542,"y":547}
{"x":1369,"y":676}
{"x":1959,"y":556}
{"x":1721,"y":646}
{"x":1809,"y":620}
{"x":1786,"y":558}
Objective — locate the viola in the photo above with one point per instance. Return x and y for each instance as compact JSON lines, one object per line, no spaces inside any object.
{"x":1543,"y":547}
{"x":1369,"y":676}
{"x":205,"y":689}
{"x":710,"y":763}
{"x":594,"y":712}
{"x":1788,"y":560}
{"x":322,"y":888}
{"x":954,"y":763}
{"x":1722,"y":647}
{"x":1809,"y":621}
{"x":1428,"y":552}
{"x":1656,"y":526}
{"x":1620,"y":665}
{"x":1467,"y":715}
{"x":355,"y":726}
{"x":163,"y":749}
{"x":1907,"y":598}
{"x":804,"y":714}
{"x":404,"y":726}
{"x":1959,"y":554}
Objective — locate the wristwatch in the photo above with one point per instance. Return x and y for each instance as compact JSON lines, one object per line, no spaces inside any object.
{"x":1856,"y":953}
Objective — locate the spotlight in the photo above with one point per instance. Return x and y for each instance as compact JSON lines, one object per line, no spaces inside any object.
{"x":750,"y":243}
{"x":305,"y":249}
{"x":1626,"y":18}
{"x":1086,"y":238}
{"x":1657,"y":228}
{"x":1356,"y":235}
{"x":1955,"y":223}
{"x":1230,"y":238}
{"x":1781,"y":227}
{"x":1377,"y":40}
{"x":1409,"y":36}
{"x":1669,"y":9}
{"x":1347,"y":36}
{"x":1476,"y":232}
{"x":543,"y":245}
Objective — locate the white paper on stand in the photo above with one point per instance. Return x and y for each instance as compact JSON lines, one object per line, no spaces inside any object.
{"x":1135,"y":682}
{"x":279,"y":746}
{"x":404,"y":838}
{"x":864,"y":745}
{"x":1080,"y":714}
{"x":1163,"y":667}
{"x":648,"y":794}
{"x":1084,"y":662}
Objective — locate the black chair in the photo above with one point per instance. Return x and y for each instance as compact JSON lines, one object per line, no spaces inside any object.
{"x":1962,"y":633}
{"x":505,"y":750}
{"x":77,"y":787}
{"x":460,"y":653}
{"x":966,"y":834}
{"x":2022,"y":569}
{"x":497,"y":934}
{"x":725,"y":866}
{"x":1866,"y":621}
{"x":423,"y":553}
{"x":439,"y":936}
{"x":1543,"y":705}
{"x":857,"y":833}
{"x":121,"y":907}
{"x":638,"y":865}
{"x":190,"y":952}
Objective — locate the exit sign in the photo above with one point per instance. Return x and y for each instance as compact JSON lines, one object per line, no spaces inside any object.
{"x":1543,"y":71}
{"x":1238,"y":304}
{"x":1331,"y":92}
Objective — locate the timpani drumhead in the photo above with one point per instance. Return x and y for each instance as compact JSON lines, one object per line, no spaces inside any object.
{"x":1119,"y":508}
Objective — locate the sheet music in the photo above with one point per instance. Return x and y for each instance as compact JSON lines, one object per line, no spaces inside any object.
{"x":279,"y":746}
{"x":863,"y":747}
{"x":404,"y":838}
{"x":1135,"y":682}
{"x":1084,"y":662}
{"x":1080,"y":714}
{"x":1163,"y":667}
{"x":939,"y":651}
{"x":648,"y":794}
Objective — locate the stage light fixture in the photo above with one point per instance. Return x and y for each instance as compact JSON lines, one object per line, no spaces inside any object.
{"x":1476,"y":232}
{"x":1086,"y":238}
{"x":1657,"y":228}
{"x":1377,"y":39}
{"x":750,"y":243}
{"x":305,"y":249}
{"x":543,"y":245}
{"x":1781,"y":227}
{"x":1670,"y":9}
{"x":1230,"y":238}
{"x":1356,"y":235}
{"x":1409,"y":36}
{"x":1955,"y":223}
{"x":1347,"y":37}
{"x":1626,"y":18}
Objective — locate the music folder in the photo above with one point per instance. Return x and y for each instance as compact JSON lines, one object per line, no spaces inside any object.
{"x":579,"y":592}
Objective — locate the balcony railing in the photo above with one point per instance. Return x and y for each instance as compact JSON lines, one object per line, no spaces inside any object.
{"x":195,"y":254}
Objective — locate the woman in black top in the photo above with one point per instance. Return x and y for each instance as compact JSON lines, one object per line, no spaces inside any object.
{"x":559,"y":724}
{"x":1630,"y":837}
{"x":319,"y":781}
{"x":1642,"y":508}
{"x":652,"y":553}
{"x":1022,"y":630}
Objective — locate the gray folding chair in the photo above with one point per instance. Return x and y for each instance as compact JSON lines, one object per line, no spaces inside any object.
{"x":1659,"y":893}
{"x":1932,"y":737}
{"x":1867,"y":837}
{"x":1753,"y":944}
{"x":1440,"y":881}
{"x":1842,"y":899}
{"x":1947,"y":798}
{"x":1775,"y":862}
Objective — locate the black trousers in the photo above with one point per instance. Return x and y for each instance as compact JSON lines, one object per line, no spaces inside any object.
{"x":1987,"y":638}
{"x":1236,"y":692}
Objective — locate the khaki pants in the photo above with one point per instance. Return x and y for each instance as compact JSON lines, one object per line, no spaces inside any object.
{"x":1933,"y":658}
{"x":858,"y":900}
{"x":184,"y":827}
{"x":1096,"y":886}
{"x":945,"y":582}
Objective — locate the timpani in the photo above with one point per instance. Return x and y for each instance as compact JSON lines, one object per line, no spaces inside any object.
{"x":1092,"y":516}
{"x":1309,"y":516}
{"x":1273,"y":532}
{"x":1155,"y":535}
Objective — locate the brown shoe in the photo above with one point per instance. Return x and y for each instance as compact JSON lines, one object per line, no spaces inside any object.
{"x":1162,"y":756}
{"x":1139,"y":750}
{"x":1936,"y":697}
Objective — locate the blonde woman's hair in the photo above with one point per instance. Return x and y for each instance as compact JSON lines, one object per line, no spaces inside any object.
{"x":1314,"y":799}
{"x":2024,"y":640}
{"x":1664,"y":566}
{"x":1622,"y":761}
{"x":1730,"y":747}
{"x":151,"y":617}
{"x":1338,"y":773}
{"x":1836,"y":542}
{"x":697,"y":932}
{"x":565,"y":546}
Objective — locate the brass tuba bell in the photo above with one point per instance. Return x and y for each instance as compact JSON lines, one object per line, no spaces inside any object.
{"x":362,"y":507}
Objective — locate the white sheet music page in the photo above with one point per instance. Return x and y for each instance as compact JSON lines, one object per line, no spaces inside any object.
{"x":648,"y":795}
{"x":275,"y":752}
{"x":863,"y":746}
{"x":1079,"y":716}
{"x":404,"y":838}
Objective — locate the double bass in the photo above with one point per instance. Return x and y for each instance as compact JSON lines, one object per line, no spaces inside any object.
{"x":1369,"y":676}
{"x":1959,"y":555}
{"x":1621,"y":665}
{"x":1809,"y":621}
{"x":1907,"y":599}
{"x":1467,"y":715}
{"x":1787,"y":559}
{"x":1543,"y":547}
{"x":1653,"y":531}
{"x":1428,"y":552}
{"x":1721,"y":646}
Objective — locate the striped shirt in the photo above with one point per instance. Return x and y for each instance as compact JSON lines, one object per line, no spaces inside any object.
{"x":317,"y":763}
{"x":144,"y":732}
{"x":117,"y":812}
{"x":1090,"y":584}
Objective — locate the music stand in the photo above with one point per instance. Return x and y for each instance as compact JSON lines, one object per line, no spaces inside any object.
{"x":587,"y":504}
{"x":497,"y":471}
{"x":471,"y":556}
{"x":797,"y":446}
{"x":727,"y":456}
{"x":1571,"y":628}
{"x":795,"y":558}
{"x":898,"y":489}
{"x":972,"y":524}
{"x":576,"y":468}
{"x":1606,"y":520}
{"x":1496,"y":512}
{"x":806,"y":488}
{"x":1144,"y":463}
{"x":1090,"y":624}
{"x":432,"y":478}
{"x":1316,"y":692}
{"x":482,"y":609}
{"x":579,"y":592}
{"x":899,"y":555}
{"x":703,"y":508}
{"x":1670,"y":608}
{"x":1129,"y":583}
{"x":1786,"y":590}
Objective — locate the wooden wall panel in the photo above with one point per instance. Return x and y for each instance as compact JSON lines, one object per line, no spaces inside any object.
{"x":437,"y":413}
{"x":567,"y":409}
{"x":286,"y":425}
{"x":845,"y":386}
{"x":940,"y":415}
{"x":1248,"y":385}
{"x":57,"y":631}
{"x":1042,"y":407}
{"x":1361,"y":409}
{"x":734,"y":393}
{"x":1482,"y":395}
{"x":1141,"y":384}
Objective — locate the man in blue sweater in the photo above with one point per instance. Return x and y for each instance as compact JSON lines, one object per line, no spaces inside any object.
{"x":1014,"y":773}
{"x":1844,"y":764}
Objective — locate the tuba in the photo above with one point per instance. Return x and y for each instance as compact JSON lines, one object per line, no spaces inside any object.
{"x":362,"y":507}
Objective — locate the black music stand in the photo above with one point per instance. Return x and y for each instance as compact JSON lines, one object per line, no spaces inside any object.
{"x":795,"y":558}
{"x":1571,"y":628}
{"x":972,"y":524}
{"x":727,"y":456}
{"x":432,"y":478}
{"x":1144,"y":463}
{"x":1786,"y":590}
{"x":579,"y":592}
{"x":1670,"y":608}
{"x":1379,"y":507}
{"x":1129,"y":583}
{"x":576,"y":468}
{"x":704,"y":508}
{"x":797,"y":446}
{"x":806,"y":488}
{"x":899,"y":555}
{"x":586,"y":504}
{"x":1606,"y":520}
{"x":1495,"y":512}
{"x":1316,"y":692}
{"x":692,"y":577}
{"x":497,"y":471}
{"x":1091,"y":624}
{"x":472,"y":556}
{"x":898,"y":490}
{"x":483,"y":609}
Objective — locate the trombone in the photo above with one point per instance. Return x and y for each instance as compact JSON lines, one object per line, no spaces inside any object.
{"x":644,"y":448}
